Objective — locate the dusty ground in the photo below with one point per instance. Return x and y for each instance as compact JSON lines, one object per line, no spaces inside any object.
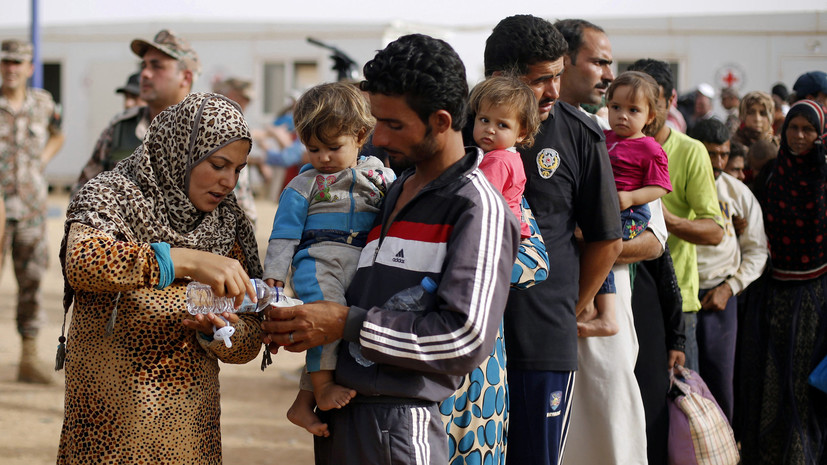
{"x":255,"y":429}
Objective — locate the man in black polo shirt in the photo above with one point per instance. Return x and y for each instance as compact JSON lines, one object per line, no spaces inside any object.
{"x":569,"y":184}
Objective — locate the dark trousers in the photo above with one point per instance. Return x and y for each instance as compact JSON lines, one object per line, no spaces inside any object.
{"x":370,"y":431}
{"x":716,"y":333}
{"x":540,"y":403}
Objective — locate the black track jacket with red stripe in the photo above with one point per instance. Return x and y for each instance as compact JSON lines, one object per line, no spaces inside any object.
{"x":459,"y":231}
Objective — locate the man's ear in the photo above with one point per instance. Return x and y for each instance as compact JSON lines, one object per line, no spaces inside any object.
{"x":440,"y":121}
{"x":189,"y":78}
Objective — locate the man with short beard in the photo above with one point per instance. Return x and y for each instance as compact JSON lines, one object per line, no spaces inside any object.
{"x":442,"y":220}
{"x":169,"y":67}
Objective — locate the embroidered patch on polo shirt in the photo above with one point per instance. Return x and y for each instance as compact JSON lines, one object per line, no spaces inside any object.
{"x":548,"y":160}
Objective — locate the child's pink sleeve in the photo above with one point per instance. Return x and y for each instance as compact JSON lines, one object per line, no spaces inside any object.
{"x":496,"y":171}
{"x":504,"y":171}
{"x":655,"y":167}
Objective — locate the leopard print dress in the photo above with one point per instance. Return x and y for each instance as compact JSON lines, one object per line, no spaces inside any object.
{"x":148,"y":391}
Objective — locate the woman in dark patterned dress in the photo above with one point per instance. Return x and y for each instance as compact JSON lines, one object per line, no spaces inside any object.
{"x":783,"y":419}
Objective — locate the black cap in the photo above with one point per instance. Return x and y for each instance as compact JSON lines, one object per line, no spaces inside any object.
{"x":132,"y":86}
{"x":810,"y":84}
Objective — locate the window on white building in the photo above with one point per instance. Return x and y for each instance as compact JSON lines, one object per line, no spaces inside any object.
{"x":283,"y":79}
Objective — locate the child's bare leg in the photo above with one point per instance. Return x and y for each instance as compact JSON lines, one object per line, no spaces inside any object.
{"x":301,"y":414}
{"x":588,"y":313}
{"x":605,"y":323}
{"x":329,"y":395}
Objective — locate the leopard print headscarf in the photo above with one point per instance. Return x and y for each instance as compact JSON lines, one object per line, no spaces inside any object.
{"x":144,"y":199}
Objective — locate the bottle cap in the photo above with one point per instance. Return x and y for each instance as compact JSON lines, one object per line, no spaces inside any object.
{"x":429,"y":285}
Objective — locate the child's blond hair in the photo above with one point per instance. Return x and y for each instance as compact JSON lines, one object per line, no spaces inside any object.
{"x":641,"y":83}
{"x":330,"y":110}
{"x":511,"y":92}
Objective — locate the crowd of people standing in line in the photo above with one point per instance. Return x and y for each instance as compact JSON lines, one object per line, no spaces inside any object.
{"x":724,"y":270}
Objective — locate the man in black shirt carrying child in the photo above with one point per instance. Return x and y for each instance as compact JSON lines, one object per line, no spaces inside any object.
{"x":569,"y":184}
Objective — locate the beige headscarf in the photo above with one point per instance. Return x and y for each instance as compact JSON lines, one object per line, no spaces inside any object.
{"x":144,"y":199}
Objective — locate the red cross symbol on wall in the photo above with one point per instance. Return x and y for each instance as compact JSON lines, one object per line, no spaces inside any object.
{"x":730,"y":79}
{"x":730,"y":75}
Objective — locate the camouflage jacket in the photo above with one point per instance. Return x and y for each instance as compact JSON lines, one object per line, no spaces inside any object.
{"x":23,"y":137}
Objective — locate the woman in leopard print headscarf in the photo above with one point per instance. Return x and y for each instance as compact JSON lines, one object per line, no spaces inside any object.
{"x":141,"y":375}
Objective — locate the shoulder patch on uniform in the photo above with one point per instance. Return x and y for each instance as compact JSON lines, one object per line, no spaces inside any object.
{"x":548,"y":160}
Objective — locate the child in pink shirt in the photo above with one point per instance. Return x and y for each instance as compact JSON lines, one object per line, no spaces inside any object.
{"x":506,"y":116}
{"x":641,"y":171}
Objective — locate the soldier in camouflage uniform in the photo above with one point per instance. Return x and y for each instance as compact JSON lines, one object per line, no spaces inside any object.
{"x":169,"y":66}
{"x":30,"y":137}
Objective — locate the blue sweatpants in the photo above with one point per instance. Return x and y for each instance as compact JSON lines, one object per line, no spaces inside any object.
{"x":540,"y":405}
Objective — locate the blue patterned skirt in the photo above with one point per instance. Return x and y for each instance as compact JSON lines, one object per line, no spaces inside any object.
{"x":476,"y":416}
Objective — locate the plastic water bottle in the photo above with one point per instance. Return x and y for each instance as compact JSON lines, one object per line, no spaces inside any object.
{"x":201,"y":300}
{"x":412,"y":299}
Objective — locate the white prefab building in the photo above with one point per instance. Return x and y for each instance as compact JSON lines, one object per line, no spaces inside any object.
{"x":85,"y":64}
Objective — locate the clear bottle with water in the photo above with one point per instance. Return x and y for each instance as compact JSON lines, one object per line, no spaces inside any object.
{"x":413,"y":299}
{"x":201,"y":300}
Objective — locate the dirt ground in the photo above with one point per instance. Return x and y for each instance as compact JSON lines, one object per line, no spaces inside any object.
{"x":254,"y":427}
